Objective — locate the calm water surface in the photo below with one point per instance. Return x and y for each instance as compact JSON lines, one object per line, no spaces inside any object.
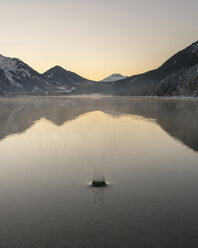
{"x":50,"y":148}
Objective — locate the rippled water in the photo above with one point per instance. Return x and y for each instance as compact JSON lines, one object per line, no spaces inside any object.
{"x":50,"y":148}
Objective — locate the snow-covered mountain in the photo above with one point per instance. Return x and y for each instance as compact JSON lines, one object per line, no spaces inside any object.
{"x":114,"y":77}
{"x":16,"y":76}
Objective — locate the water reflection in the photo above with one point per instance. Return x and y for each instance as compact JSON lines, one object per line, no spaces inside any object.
{"x":98,"y":195}
{"x":152,"y":201}
{"x":177,"y":117}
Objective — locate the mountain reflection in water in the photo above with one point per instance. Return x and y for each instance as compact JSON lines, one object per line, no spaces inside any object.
{"x":178,"y":117}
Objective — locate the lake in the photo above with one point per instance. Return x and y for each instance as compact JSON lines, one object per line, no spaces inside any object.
{"x":50,"y":149}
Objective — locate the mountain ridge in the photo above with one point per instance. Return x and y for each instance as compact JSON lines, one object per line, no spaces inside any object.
{"x":17,"y":77}
{"x":177,"y":76}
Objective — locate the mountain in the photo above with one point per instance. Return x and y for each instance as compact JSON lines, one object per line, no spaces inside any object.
{"x":178,"y":76}
{"x":67,"y":79}
{"x":113,"y":77}
{"x":16,"y":77}
{"x":59,"y":74}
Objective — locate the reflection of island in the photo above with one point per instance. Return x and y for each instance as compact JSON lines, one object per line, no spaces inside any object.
{"x":178,"y":118}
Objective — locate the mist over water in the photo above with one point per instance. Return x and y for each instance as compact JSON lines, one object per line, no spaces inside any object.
{"x":52,"y":147}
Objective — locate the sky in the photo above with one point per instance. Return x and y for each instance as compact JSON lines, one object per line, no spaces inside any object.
{"x":96,"y":38}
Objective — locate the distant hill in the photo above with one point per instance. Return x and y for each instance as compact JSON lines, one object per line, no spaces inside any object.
{"x":114,"y":77}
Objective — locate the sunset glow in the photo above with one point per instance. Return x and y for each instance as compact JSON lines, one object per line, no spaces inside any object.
{"x":97,"y":38}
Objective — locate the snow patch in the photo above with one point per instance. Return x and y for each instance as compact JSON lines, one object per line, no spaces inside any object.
{"x":12,"y":69}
